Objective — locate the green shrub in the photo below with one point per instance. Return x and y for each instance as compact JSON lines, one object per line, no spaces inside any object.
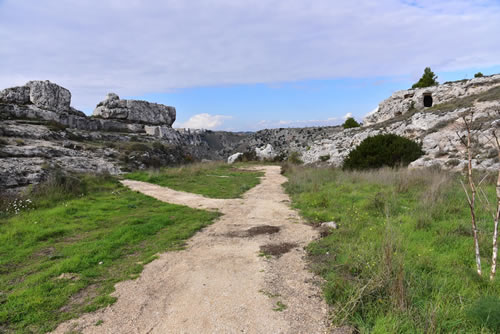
{"x":478,"y":75}
{"x":324,"y":157}
{"x":428,"y":79}
{"x":294,"y":158}
{"x":383,"y":150}
{"x":350,"y":123}
{"x":248,"y":155}
{"x":486,"y":312}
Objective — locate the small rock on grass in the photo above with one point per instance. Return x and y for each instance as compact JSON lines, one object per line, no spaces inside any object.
{"x":332,"y":225}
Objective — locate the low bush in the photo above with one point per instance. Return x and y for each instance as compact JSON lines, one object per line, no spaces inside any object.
{"x":383,"y":150}
{"x":324,"y":157}
{"x":294,"y":158}
{"x":350,"y":123}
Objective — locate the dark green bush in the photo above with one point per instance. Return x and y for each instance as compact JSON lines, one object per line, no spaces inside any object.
{"x":350,"y":123}
{"x":383,"y":150}
{"x":294,"y":158}
{"x":486,"y":312}
{"x":428,"y":79}
{"x":478,"y":75}
{"x":324,"y":157}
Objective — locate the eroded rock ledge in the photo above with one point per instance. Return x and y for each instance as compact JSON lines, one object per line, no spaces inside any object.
{"x":39,"y":130}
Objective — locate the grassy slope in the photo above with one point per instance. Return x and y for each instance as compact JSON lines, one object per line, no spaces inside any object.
{"x":402,"y":260}
{"x":99,"y":239}
{"x":209,"y":179}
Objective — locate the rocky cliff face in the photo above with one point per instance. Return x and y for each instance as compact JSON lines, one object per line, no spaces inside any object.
{"x":432,"y":116}
{"x":39,"y":131}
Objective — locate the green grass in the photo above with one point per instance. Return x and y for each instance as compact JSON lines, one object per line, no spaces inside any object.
{"x":92,"y":229}
{"x":214,"y":180}
{"x":402,"y":260}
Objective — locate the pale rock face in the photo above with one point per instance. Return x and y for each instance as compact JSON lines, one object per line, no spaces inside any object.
{"x":49,"y":96}
{"x":42,"y":94}
{"x":265,"y":153}
{"x":232,"y":159}
{"x":16,"y":95}
{"x":135,"y":111}
{"x":402,"y":101}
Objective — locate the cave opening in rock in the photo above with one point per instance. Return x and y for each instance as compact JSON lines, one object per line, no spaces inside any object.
{"x":428,"y":101}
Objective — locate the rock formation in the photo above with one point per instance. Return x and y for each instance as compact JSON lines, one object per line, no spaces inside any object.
{"x":39,"y":130}
{"x":403,"y":101}
{"x":265,"y":153}
{"x":432,"y":116}
{"x":135,"y":111}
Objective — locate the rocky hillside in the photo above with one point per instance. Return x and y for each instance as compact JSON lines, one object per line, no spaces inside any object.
{"x":40,"y":131}
{"x":432,"y":116}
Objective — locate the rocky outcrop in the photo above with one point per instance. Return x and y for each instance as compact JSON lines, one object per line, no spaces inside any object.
{"x":439,"y":127}
{"x":233,"y":158}
{"x":44,"y":100}
{"x":404,"y":101}
{"x":39,"y":130}
{"x":49,"y":96}
{"x":135,"y":111}
{"x":265,"y":153}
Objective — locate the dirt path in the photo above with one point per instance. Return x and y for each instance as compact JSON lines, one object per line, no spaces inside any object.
{"x":219,"y":283}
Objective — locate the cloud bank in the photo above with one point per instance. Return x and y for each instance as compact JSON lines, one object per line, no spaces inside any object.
{"x":203,"y":121}
{"x":151,"y":46}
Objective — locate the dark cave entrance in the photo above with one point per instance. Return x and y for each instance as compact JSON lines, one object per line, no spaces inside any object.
{"x":427,"y":100}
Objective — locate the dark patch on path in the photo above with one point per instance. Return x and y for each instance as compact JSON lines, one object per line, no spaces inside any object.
{"x":253,"y":231}
{"x":277,"y":249}
{"x":263,"y":229}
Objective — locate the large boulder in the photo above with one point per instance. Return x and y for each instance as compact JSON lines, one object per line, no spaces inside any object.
{"x":49,"y":96}
{"x":42,"y":94}
{"x":233,"y":158}
{"x":265,"y":153}
{"x":135,"y":111}
{"x":15,"y":95}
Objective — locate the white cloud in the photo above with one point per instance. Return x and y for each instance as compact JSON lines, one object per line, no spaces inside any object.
{"x":348,"y":115}
{"x":138,"y":47}
{"x":204,"y":121}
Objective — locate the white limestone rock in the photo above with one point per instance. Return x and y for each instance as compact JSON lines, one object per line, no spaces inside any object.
{"x":402,"y":101}
{"x":135,"y":111}
{"x":49,"y":96}
{"x":265,"y":153}
{"x":16,"y":95}
{"x":233,"y":158}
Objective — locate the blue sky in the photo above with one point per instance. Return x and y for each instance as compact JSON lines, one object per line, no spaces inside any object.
{"x":246,"y":65}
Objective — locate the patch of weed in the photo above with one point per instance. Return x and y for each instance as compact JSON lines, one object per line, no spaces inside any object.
{"x":280,"y":307}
